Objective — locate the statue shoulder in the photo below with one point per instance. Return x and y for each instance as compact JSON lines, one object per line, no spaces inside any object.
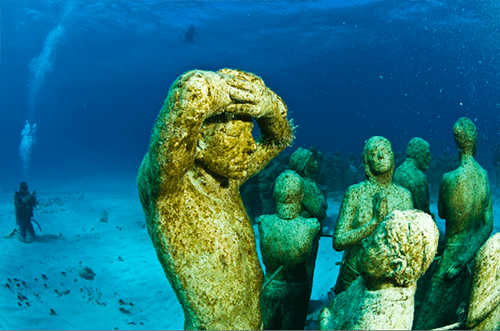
{"x":312,"y":223}
{"x":358,"y":188}
{"x":402,"y":192}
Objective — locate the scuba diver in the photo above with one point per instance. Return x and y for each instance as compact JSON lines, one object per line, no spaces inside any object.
{"x":24,"y":204}
{"x":190,"y":33}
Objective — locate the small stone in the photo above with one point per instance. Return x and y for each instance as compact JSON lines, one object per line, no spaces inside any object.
{"x":87,"y":273}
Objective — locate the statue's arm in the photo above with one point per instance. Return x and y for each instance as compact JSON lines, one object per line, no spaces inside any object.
{"x":314,"y":202}
{"x":487,"y":226}
{"x":251,"y":97}
{"x":317,"y":211}
{"x":422,"y":199}
{"x":442,"y":212}
{"x":193,"y":97}
{"x":345,"y":236}
{"x":276,"y":134}
{"x":480,"y":236}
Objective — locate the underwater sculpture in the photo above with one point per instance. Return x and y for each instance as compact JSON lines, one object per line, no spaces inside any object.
{"x":267,"y":178}
{"x":314,"y":204}
{"x":465,"y":203}
{"x":410,"y":174}
{"x":365,"y":205}
{"x":286,"y":241}
{"x":201,"y":151}
{"x":484,"y":304}
{"x":390,"y":262}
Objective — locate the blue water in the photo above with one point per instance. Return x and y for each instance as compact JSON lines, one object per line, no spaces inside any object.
{"x":92,"y":74}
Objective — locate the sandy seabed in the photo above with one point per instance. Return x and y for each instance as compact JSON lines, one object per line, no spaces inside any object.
{"x":43,"y":284}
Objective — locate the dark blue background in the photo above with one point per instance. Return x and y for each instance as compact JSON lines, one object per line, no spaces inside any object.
{"x":394,"y":68}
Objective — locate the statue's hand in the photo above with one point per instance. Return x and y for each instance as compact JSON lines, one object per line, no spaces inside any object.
{"x":380,"y":209}
{"x":453,"y":271}
{"x":250,"y":95}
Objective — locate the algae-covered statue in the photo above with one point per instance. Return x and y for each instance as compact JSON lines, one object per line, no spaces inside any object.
{"x":484,"y":304}
{"x":201,"y":151}
{"x":314,"y":204}
{"x":390,"y":262}
{"x":410,"y":174}
{"x":465,"y":203}
{"x":286,"y":242}
{"x":365,"y":205}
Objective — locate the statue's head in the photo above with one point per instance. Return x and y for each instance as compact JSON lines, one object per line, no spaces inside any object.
{"x":225,"y":145}
{"x":418,"y":150}
{"x":303,"y":162}
{"x":400,"y":249}
{"x":288,"y":193}
{"x":465,"y":134}
{"x":378,"y":157}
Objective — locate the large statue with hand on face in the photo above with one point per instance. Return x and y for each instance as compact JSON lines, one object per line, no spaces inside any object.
{"x":201,"y":151}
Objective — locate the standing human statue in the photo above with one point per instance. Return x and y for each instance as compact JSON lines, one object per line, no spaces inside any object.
{"x":201,"y":151}
{"x":365,"y":205}
{"x":466,"y":205}
{"x":314,"y":203}
{"x":286,"y":242}
{"x":410,"y":174}
{"x":391,"y":261}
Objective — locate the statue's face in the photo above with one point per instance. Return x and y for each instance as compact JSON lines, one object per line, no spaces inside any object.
{"x":423,"y":159}
{"x":380,"y":157}
{"x":226,"y":147}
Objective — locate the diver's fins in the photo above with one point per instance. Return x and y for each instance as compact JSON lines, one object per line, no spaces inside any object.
{"x":11,"y":234}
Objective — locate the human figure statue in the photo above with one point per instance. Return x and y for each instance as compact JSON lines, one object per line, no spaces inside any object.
{"x":267,"y":178}
{"x":314,"y":203}
{"x":365,"y":205}
{"x":390,"y":262}
{"x":410,"y":174}
{"x":24,"y":203}
{"x":190,"y":34}
{"x":465,"y":203}
{"x":484,"y":304}
{"x":201,"y":151}
{"x":286,"y":241}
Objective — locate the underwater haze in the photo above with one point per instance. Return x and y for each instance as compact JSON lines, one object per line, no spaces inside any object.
{"x":92,"y":75}
{"x":82,"y":82}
